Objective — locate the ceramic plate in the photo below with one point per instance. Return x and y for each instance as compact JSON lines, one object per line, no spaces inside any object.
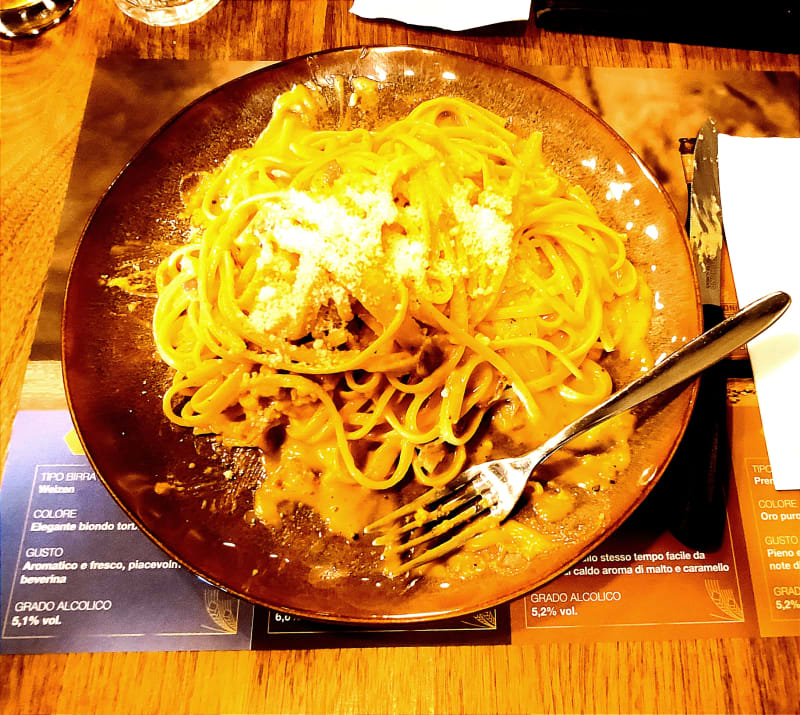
{"x":114,"y":380}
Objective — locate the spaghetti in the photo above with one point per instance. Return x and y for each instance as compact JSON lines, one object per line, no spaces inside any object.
{"x":368,"y":305}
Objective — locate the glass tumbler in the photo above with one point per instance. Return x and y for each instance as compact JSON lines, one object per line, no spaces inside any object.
{"x":165,"y":12}
{"x":30,"y":18}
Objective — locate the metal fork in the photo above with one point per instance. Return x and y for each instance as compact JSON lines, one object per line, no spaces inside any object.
{"x":444,"y":518}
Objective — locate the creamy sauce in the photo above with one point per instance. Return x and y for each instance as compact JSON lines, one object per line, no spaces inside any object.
{"x":311,"y":473}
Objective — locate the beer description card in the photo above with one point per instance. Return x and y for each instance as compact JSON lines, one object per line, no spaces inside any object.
{"x":77,"y":575}
{"x":643,"y":583}
{"x":770,"y":518}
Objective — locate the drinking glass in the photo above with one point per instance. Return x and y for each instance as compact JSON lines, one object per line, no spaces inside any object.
{"x":165,"y":12}
{"x":30,"y":18}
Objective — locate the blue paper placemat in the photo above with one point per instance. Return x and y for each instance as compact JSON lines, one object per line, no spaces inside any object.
{"x":77,"y":574}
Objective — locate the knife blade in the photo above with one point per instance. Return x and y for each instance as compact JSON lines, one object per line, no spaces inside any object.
{"x":705,"y":215}
{"x":701,"y":468}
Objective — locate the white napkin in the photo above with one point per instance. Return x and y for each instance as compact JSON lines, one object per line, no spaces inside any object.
{"x":760,"y":192}
{"x":454,"y":15}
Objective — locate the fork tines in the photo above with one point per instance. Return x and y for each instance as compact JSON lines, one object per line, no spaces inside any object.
{"x":436,"y":523}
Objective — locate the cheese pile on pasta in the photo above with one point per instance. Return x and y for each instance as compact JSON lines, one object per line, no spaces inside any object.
{"x":371,"y":306}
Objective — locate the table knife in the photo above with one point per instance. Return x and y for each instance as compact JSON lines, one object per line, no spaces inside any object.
{"x":700,"y":470}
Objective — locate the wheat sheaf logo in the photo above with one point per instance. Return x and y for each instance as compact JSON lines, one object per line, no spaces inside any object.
{"x":223,"y":610}
{"x":483,"y":619}
{"x":725,"y":600}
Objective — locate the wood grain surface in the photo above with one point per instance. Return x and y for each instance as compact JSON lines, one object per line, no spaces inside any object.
{"x":43,"y":89}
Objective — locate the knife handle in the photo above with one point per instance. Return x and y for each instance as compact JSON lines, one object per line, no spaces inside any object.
{"x":700,"y":470}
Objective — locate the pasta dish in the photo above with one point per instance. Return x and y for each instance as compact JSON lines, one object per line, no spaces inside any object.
{"x":377,"y":307}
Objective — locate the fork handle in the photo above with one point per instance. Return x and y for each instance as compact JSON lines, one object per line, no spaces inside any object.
{"x":685,"y":363}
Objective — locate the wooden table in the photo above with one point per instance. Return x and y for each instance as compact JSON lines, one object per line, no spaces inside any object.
{"x":45,"y":83}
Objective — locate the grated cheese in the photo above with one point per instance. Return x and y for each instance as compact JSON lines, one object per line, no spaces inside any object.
{"x":329,"y":249}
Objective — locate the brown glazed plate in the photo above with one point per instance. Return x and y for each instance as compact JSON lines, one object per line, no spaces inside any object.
{"x":115,"y":381}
